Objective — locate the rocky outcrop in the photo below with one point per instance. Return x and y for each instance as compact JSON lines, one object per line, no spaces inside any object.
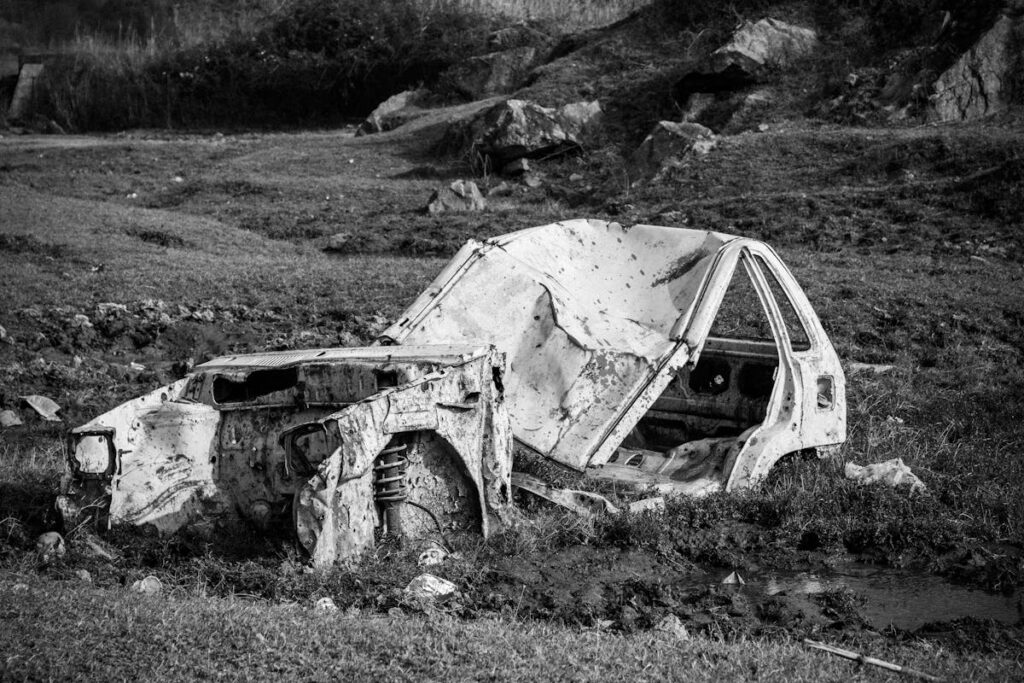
{"x":492,"y":74}
{"x":515,"y":129}
{"x":768,"y":42}
{"x":979,"y":83}
{"x":668,"y":143}
{"x":462,"y":195}
{"x":753,"y":50}
{"x":393,"y":112}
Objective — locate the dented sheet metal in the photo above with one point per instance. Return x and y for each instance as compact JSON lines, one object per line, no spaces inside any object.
{"x":598,"y":321}
{"x":212,"y":448}
{"x":588,"y":314}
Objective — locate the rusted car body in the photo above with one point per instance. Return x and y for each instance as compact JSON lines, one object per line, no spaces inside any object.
{"x":684,"y":359}
{"x":419,"y":433}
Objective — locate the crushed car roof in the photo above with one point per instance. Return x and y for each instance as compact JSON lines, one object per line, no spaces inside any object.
{"x":588,"y":313}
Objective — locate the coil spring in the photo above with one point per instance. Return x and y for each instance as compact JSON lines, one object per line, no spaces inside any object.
{"x":389,"y":475}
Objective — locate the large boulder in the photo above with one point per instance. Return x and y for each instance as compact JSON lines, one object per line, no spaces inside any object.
{"x":669,"y":142}
{"x":752,"y":49}
{"x":492,"y":74}
{"x":393,"y":112}
{"x":517,"y":129}
{"x":979,"y":83}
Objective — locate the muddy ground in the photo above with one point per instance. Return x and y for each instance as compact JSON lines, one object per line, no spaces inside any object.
{"x":906,"y":240}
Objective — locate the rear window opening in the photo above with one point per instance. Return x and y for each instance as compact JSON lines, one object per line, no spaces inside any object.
{"x":256,"y":384}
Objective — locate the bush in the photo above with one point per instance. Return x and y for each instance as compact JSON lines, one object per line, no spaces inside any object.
{"x":315,"y":62}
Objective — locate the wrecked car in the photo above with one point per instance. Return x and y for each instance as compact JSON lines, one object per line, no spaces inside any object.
{"x":334,"y":446}
{"x":681,"y":360}
{"x":685,"y":360}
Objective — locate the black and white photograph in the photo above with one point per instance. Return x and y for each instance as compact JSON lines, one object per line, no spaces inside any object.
{"x":512,"y":340}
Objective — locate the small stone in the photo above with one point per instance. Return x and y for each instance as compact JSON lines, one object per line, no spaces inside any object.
{"x":532,"y":180}
{"x":338,"y":242}
{"x":461,"y":195}
{"x":432,"y":556}
{"x":83,"y":575}
{"x":20,"y":587}
{"x":516,"y":167}
{"x":672,"y":626}
{"x":50,"y":546}
{"x":734,"y":579}
{"x":325,"y":605}
{"x":9,"y":418}
{"x":576,"y":177}
{"x":428,"y":587}
{"x":150,"y":585}
{"x":47,"y":408}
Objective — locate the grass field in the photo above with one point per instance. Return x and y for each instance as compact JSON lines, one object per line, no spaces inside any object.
{"x":906,"y":239}
{"x":99,"y":219}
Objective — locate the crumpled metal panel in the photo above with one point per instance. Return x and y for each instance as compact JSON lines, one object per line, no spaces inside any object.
{"x":588,"y":314}
{"x":179,"y":455}
{"x":335,"y":510}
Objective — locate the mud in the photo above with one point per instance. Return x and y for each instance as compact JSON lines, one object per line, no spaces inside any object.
{"x":634,"y":590}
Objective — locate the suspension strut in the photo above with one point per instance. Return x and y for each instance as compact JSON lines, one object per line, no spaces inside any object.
{"x":390,"y":488}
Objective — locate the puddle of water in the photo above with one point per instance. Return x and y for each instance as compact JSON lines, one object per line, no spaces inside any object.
{"x":904,"y":600}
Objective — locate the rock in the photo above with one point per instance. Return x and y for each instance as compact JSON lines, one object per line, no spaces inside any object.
{"x":768,"y":42}
{"x":891,"y":472}
{"x":655,"y":504}
{"x":432,"y":556}
{"x":4,"y":337}
{"x":46,"y":408}
{"x":516,"y":168}
{"x":8,"y":419}
{"x":393,"y":112}
{"x":515,"y":129}
{"x":672,"y":626}
{"x":150,"y":585}
{"x":532,"y":180}
{"x":461,"y":195}
{"x":733,"y":579}
{"x":669,"y":141}
{"x":492,"y":74}
{"x":20,"y":588}
{"x":325,"y":606}
{"x":339,"y":242}
{"x":979,"y":83}
{"x":430,"y":588}
{"x":502,"y":189}
{"x":50,"y":546}
{"x":872,"y":368}
{"x":83,"y":575}
{"x":520,"y":35}
{"x":753,"y":48}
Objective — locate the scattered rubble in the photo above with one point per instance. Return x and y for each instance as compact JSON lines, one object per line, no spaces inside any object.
{"x":461,"y":195}
{"x":891,"y":472}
